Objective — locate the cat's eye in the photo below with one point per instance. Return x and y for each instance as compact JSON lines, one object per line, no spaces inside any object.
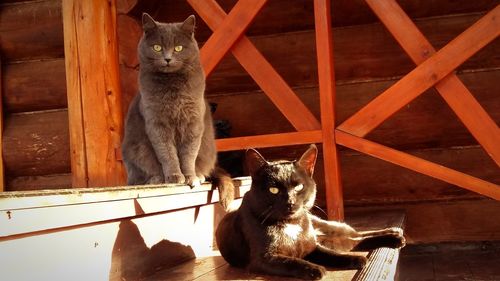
{"x":178,"y":48}
{"x":274,"y":190}
{"x":298,"y":187}
{"x":157,"y":48}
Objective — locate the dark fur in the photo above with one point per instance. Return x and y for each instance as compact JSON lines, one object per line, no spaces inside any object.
{"x":276,"y":233}
{"x":169,"y":135}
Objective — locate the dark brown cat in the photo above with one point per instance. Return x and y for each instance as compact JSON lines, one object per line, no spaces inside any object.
{"x":273,"y":232}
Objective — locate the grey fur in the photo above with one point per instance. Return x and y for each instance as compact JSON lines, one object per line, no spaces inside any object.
{"x":169,"y":134}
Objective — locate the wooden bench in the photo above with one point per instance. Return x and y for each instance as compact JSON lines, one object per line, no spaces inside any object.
{"x":135,"y":233}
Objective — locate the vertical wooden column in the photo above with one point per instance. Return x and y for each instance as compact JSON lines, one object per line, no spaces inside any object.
{"x":2,"y":179}
{"x":324,"y":50}
{"x":94,"y":98}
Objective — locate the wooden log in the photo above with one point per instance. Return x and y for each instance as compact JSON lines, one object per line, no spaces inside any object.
{"x":94,"y":98}
{"x":31,"y":30}
{"x":36,"y":144}
{"x":35,"y":85}
{"x":299,"y":15}
{"x":24,"y":183}
{"x":361,"y":53}
{"x":427,"y":122}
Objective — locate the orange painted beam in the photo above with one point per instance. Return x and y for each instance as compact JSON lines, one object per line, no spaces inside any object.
{"x":425,"y":75}
{"x":463,"y":103}
{"x":261,"y":71}
{"x":232,"y":27}
{"x":271,"y":140}
{"x":418,"y":165}
{"x":324,"y":51}
{"x":94,"y":96}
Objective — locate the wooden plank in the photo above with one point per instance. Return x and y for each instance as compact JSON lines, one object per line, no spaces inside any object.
{"x":94,"y":103}
{"x":281,"y":139}
{"x":451,"y":88}
{"x":36,"y":143}
{"x":419,"y":165}
{"x":2,"y":176}
{"x":425,"y":75}
{"x":262,"y":72}
{"x":326,"y":72}
{"x":227,"y":33}
{"x":27,"y":213}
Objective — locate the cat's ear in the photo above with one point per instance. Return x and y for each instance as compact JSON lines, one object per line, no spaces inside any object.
{"x":148,"y":23}
{"x":308,"y":159}
{"x":189,"y":24}
{"x":254,"y":161}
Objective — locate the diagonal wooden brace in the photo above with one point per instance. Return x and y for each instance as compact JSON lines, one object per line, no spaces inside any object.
{"x":259,"y":68}
{"x":454,"y":92}
{"x":425,"y":75}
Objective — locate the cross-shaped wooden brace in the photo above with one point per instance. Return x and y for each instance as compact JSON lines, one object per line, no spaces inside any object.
{"x":229,"y":35}
{"x":434,"y":68}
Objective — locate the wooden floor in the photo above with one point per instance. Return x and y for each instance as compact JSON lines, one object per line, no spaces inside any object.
{"x":450,"y":262}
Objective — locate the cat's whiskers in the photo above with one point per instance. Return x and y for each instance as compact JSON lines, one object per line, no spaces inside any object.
{"x":269,"y":211}
{"x":317,"y":207}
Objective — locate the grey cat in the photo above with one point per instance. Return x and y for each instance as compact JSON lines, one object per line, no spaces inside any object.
{"x":169,"y":135}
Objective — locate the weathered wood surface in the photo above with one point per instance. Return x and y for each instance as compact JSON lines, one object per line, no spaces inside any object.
{"x":378,"y":57}
{"x":31,"y":30}
{"x":300,"y":16}
{"x":2,"y":174}
{"x":36,"y":144}
{"x":52,"y":181}
{"x":94,"y":96}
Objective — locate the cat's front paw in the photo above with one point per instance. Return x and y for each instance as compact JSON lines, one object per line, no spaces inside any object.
{"x":155,"y":180}
{"x":175,"y":178}
{"x":399,"y":240}
{"x":358,"y":262}
{"x":193,"y":181}
{"x":312,"y":272}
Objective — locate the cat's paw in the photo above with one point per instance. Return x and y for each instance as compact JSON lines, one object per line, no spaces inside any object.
{"x":201,"y":178}
{"x":358,"y":262}
{"x":398,"y":240}
{"x":312,"y":272}
{"x":175,"y":178}
{"x":193,"y":181}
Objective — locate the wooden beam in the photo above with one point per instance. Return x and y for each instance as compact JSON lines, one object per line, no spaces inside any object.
{"x":324,"y":50}
{"x":261,"y":71}
{"x":425,"y":75}
{"x":463,"y":103}
{"x":233,"y":26}
{"x":94,"y":104}
{"x":2,"y":179}
{"x":419,"y":165}
{"x":271,"y":140}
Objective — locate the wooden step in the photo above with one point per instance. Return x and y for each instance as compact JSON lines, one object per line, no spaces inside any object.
{"x":381,"y":262}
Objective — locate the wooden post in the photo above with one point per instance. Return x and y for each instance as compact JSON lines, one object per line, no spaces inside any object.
{"x":324,"y":50}
{"x":2,"y":180}
{"x":94,"y":98}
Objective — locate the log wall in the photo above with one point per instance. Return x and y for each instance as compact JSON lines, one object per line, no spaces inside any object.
{"x":367,"y":61}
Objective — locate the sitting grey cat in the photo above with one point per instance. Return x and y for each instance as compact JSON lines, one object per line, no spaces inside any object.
{"x":169,"y":135}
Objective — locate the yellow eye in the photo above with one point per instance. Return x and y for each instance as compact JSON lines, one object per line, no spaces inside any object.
{"x":299,"y":187}
{"x":178,"y":48}
{"x":274,"y":190}
{"x":157,"y":48}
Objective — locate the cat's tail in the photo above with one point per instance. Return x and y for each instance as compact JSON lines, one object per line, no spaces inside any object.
{"x":223,"y":182}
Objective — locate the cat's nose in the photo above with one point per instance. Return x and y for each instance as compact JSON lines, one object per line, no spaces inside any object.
{"x":168,"y":60}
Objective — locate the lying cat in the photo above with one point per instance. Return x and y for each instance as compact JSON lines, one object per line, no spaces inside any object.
{"x":273,"y":232}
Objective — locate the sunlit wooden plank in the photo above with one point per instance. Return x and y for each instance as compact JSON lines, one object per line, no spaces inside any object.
{"x":463,"y":103}
{"x":418,"y":165}
{"x":425,"y":75}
